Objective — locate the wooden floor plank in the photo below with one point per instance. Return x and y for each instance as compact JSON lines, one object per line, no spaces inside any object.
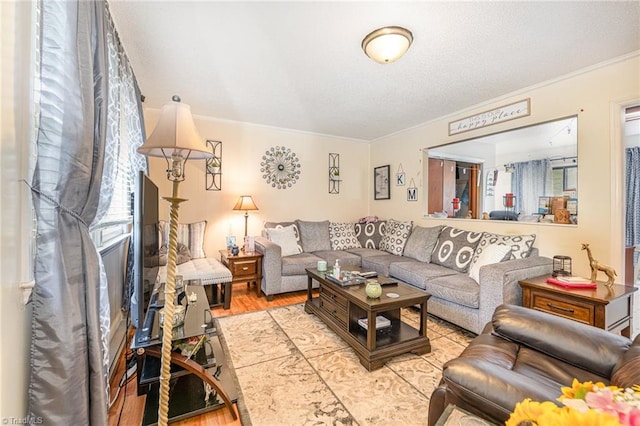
{"x":128,"y":408}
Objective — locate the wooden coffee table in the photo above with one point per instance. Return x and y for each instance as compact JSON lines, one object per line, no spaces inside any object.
{"x":340,"y":307}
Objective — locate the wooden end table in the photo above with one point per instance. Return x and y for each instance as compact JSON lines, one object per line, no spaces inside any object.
{"x":609,"y":309}
{"x":341,"y":308}
{"x":244,"y":267}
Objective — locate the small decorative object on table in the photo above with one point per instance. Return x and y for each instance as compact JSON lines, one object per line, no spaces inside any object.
{"x":235,"y":250}
{"x":561,"y":266}
{"x":373,"y":290}
{"x":597,"y":266}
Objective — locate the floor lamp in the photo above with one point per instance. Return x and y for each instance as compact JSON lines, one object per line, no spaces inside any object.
{"x":176,"y":139}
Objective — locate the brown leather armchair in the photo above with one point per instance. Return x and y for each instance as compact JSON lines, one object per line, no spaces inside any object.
{"x":523,"y":353}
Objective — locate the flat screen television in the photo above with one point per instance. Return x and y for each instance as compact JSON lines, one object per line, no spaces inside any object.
{"x":146,"y":246}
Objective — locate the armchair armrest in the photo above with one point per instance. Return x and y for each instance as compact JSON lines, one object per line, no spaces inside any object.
{"x":581,"y":345}
{"x":499,"y":282}
{"x":271,"y":266}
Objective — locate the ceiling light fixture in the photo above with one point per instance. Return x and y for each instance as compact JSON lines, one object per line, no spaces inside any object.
{"x":387,"y":44}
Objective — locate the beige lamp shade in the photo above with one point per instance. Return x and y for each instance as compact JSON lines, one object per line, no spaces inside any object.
{"x":245,"y":203}
{"x":175,"y":133}
{"x":388,"y":44}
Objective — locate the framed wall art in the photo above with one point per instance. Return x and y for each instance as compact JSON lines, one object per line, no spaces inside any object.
{"x":412,"y":191}
{"x":381,"y":189}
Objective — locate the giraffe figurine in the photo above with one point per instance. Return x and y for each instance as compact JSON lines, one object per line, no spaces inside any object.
{"x":597,"y":266}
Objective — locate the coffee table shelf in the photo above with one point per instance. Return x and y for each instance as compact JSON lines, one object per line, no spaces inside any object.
{"x":340,"y":307}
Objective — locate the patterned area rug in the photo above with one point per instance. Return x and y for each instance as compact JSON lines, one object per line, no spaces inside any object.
{"x":291,"y":369}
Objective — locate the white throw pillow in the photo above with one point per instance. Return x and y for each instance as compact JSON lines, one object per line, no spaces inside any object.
{"x":493,"y":253}
{"x":285,"y":237}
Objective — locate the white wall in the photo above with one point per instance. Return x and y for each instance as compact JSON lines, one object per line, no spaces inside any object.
{"x":596,"y":95}
{"x":243,"y":146}
{"x":14,"y":212}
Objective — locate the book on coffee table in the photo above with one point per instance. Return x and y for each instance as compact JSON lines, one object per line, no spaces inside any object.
{"x":381,"y":322}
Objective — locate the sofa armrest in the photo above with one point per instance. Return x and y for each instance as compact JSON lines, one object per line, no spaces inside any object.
{"x":478,"y":386}
{"x":271,"y":266}
{"x":499,"y":282}
{"x":578,"y":344}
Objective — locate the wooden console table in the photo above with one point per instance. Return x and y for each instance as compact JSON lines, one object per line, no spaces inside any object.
{"x":609,"y":309}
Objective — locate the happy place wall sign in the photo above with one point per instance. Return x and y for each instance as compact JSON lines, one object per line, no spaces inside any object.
{"x":498,"y":115}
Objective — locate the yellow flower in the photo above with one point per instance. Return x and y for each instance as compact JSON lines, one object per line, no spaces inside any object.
{"x":528,"y":410}
{"x":578,"y":390}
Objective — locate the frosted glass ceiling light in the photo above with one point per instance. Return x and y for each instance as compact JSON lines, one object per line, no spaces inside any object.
{"x":387,"y":44}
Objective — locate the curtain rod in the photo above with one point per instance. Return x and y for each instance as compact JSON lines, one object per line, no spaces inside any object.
{"x":574,"y":158}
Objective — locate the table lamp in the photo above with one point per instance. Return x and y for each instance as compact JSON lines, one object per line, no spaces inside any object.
{"x":176,"y":139}
{"x":245,"y":203}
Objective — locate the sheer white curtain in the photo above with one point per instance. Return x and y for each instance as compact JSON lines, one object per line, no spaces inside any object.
{"x":530,"y":180}
{"x":80,"y":79}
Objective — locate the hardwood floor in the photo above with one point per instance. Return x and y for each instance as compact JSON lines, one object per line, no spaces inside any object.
{"x":128,"y":407}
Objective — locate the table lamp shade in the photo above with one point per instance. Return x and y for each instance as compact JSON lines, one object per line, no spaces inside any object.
{"x":245,"y":203}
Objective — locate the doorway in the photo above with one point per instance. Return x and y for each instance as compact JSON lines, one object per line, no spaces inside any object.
{"x":631,"y":143}
{"x":453,"y":188}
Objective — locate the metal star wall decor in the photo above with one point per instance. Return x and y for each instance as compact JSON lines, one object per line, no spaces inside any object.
{"x":280,"y":167}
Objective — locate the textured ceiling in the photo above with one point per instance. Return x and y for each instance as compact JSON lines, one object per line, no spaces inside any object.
{"x":299,"y":65}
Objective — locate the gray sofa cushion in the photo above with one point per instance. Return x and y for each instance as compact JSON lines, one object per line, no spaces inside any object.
{"x":314,"y":235}
{"x":458,"y":288}
{"x":370,"y":234}
{"x":381,"y":263}
{"x":347,"y":260}
{"x":395,"y":236}
{"x":421,"y":243}
{"x":455,"y":248}
{"x":366,"y":252}
{"x":296,"y":264}
{"x":418,"y":273}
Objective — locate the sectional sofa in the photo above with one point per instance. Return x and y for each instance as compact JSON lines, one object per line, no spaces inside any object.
{"x":468,"y":274}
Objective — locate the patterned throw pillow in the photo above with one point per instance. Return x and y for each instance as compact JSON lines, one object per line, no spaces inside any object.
{"x":189,"y":234}
{"x":520,"y":244}
{"x":343,"y":236}
{"x":370,"y":234}
{"x":455,"y":248}
{"x":395,"y":236}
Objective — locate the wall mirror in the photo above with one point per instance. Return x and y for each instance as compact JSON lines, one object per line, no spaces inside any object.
{"x":526,"y":174}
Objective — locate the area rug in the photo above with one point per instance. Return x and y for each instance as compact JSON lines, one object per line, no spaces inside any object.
{"x":291,"y":369}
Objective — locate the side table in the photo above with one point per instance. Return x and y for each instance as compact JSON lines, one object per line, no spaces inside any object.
{"x":245,"y":267}
{"x":607,"y":308}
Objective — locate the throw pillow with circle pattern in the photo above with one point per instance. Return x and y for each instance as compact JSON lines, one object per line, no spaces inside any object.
{"x":343,"y":236}
{"x":395,"y":236}
{"x":370,"y":234}
{"x":520,"y":244}
{"x":455,"y":248}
